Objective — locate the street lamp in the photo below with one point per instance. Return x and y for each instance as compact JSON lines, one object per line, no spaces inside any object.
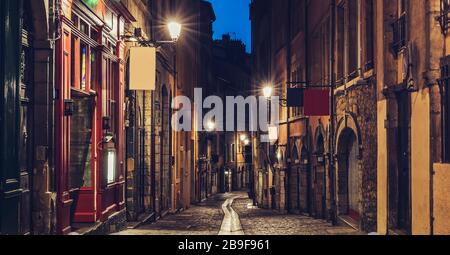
{"x":243,"y":137}
{"x":267,"y":91}
{"x":174,"y":30}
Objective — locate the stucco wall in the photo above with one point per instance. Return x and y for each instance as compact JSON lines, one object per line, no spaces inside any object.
{"x":420,"y":162}
{"x":382,"y":159}
{"x":441,"y":199}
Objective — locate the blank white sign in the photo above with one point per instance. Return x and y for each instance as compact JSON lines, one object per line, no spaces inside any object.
{"x":142,"y":68}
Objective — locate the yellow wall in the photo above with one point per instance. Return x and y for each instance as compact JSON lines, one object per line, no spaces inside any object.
{"x":382,"y":169}
{"x":420,"y":162}
{"x":441,"y":202}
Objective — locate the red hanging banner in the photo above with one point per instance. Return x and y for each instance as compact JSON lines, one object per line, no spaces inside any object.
{"x":317,"y":102}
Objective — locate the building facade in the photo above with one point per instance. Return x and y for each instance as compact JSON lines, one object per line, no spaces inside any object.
{"x":412,"y":102}
{"x":232,"y":79}
{"x":99,"y":153}
{"x":389,"y":99}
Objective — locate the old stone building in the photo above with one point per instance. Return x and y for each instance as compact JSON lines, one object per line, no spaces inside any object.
{"x":149,"y":140}
{"x":232,"y":78}
{"x":390,"y":100}
{"x":412,"y":106}
{"x":27,"y":193}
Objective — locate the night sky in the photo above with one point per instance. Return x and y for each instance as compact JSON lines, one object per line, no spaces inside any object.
{"x":233,"y":18}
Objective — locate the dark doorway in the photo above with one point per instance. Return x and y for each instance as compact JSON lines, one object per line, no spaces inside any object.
{"x":348,"y":180}
{"x":26,"y":120}
{"x":319,"y":178}
{"x":403,"y":169}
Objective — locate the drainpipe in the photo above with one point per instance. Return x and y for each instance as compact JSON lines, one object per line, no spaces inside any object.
{"x":333,"y":212}
{"x":306,"y":56}
{"x":289,"y":77}
{"x":428,"y":84}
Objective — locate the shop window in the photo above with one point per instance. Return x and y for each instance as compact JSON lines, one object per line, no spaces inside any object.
{"x":369,"y":20}
{"x":352,"y":33}
{"x":93,"y":72}
{"x":73,"y":59}
{"x":83,"y":65}
{"x":81,"y":144}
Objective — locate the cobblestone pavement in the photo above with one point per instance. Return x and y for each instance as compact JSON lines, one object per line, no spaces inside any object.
{"x":206,"y":219}
{"x":202,"y":219}
{"x":257,"y":221}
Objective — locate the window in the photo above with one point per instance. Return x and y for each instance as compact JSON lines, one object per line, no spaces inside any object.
{"x":233,"y":153}
{"x":400,"y":29}
{"x":83,"y":65}
{"x":369,"y":20}
{"x":297,"y":75}
{"x":109,"y":92}
{"x":445,"y":90}
{"x":340,"y":41}
{"x":352,"y":34}
{"x":444,"y":17}
{"x":93,"y":65}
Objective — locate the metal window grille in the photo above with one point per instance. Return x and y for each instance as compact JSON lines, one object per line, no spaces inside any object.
{"x":400,"y":33}
{"x":444,"y":17}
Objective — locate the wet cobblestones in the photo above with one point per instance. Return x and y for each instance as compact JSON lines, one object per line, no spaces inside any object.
{"x":256,"y":221}
{"x":202,"y":219}
{"x":206,"y":219}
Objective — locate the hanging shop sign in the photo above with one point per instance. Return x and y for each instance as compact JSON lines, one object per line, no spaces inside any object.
{"x":316,"y":102}
{"x":142,"y":68}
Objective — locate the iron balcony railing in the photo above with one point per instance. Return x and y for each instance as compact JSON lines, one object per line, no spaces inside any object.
{"x":444,"y":17}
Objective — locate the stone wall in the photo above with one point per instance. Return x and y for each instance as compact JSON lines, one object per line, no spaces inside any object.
{"x":360,"y":102}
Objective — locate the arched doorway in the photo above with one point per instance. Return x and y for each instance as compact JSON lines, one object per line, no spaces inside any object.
{"x":166,"y":173}
{"x":348,"y":174}
{"x":320,"y":177}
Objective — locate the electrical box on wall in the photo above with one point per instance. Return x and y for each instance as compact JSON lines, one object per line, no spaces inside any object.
{"x":142,"y":68}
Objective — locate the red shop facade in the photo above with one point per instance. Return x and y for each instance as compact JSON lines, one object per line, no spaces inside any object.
{"x":89,"y":132}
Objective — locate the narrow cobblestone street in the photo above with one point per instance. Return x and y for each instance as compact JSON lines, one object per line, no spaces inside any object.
{"x":208,"y":218}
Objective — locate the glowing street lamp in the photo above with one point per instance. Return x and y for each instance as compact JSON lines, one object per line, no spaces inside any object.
{"x":243,"y":137}
{"x":267,"y":91}
{"x":173,"y":27}
{"x":174,"y":30}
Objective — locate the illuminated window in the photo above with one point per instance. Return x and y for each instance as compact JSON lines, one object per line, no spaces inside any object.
{"x":111,"y":166}
{"x":83,"y":65}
